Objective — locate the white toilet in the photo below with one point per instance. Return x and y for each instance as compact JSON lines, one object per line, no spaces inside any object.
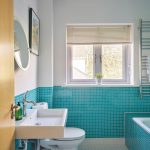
{"x":72,"y":137}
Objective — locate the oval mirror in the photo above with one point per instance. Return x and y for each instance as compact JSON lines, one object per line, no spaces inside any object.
{"x":21,"y":48}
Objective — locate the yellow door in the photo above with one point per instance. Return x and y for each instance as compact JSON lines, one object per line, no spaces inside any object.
{"x":7,"y":125}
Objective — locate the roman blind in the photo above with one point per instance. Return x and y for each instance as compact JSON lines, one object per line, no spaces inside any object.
{"x":99,"y":34}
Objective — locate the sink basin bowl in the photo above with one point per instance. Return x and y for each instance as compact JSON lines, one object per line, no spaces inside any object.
{"x":41,"y":124}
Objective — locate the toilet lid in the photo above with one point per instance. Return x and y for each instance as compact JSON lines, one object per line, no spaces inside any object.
{"x":72,"y":134}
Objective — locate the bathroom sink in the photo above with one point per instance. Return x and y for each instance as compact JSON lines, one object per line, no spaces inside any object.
{"x":41,"y":124}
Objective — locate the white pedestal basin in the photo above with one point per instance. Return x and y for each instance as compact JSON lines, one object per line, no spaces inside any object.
{"x":42,"y":124}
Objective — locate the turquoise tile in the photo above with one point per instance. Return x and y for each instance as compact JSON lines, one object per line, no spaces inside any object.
{"x":45,"y":94}
{"x":136,"y":138}
{"x":98,"y":110}
{"x":31,"y":95}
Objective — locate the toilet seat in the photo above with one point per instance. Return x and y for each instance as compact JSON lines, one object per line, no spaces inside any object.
{"x":71,"y":134}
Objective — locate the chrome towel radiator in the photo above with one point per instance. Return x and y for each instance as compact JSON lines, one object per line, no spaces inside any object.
{"x":145,"y":58}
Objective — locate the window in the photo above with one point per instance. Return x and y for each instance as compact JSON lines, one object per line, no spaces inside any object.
{"x":82,"y":62}
{"x":105,"y":49}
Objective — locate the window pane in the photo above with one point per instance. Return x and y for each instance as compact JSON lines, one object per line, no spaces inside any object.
{"x":82,"y":61}
{"x":112,"y":62}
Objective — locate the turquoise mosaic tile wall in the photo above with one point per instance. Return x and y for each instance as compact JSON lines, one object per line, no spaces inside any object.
{"x":31,"y":95}
{"x":45,"y":94}
{"x":136,"y":138}
{"x":39,"y":95}
{"x":99,"y":110}
{"x":31,"y":145}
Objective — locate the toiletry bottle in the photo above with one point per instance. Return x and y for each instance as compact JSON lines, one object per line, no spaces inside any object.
{"x":18,"y":112}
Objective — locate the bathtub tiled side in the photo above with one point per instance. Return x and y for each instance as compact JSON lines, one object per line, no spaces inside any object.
{"x":142,"y":138}
{"x":136,"y":138}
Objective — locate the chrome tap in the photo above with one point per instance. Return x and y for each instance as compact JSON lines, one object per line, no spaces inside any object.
{"x":25,"y":103}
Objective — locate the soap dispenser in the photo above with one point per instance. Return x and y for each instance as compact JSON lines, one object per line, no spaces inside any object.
{"x":18,"y":112}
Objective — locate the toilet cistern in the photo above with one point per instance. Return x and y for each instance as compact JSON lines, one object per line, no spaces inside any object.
{"x":25,"y":102}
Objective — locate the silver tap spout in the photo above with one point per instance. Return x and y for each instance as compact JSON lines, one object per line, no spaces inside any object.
{"x":25,"y":103}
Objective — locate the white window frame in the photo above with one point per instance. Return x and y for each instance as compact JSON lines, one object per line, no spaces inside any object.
{"x":97,"y":49}
{"x":126,"y":57}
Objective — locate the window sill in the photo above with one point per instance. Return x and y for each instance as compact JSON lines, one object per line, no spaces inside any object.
{"x":102,"y":85}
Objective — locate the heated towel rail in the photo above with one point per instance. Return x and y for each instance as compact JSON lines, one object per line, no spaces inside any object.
{"x":145,"y":58}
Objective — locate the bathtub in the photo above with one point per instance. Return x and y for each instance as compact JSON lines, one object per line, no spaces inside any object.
{"x":144,"y":123}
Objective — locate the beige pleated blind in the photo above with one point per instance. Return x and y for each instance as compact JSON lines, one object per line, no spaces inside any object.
{"x":99,"y":34}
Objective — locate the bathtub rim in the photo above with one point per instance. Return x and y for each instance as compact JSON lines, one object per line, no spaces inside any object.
{"x":139,"y":121}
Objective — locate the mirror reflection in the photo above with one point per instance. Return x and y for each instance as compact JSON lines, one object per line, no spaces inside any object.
{"x":21,"y":48}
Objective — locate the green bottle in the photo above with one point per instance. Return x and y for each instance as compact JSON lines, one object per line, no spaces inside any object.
{"x":18,"y":112}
